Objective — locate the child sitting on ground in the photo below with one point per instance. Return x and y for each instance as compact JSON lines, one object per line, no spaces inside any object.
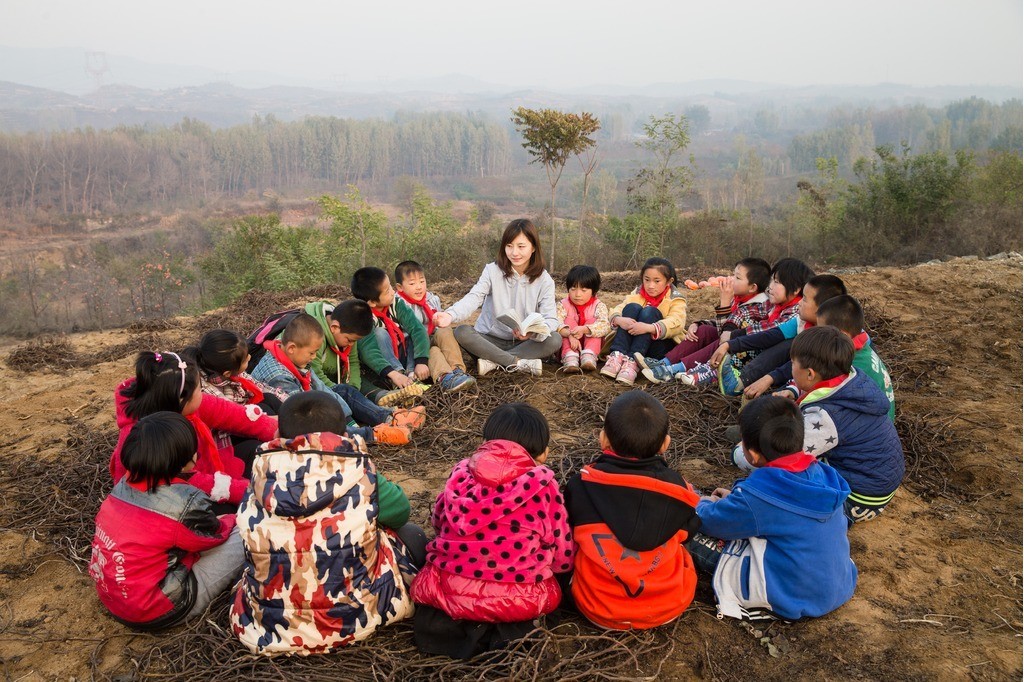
{"x":502,"y":534}
{"x":445,"y":362}
{"x":773,"y":344}
{"x":160,"y":554}
{"x":630,"y":513}
{"x":584,"y":320}
{"x":846,"y":421}
{"x":650,"y":321}
{"x":329,"y":552}
{"x":165,"y":382}
{"x":286,"y":366}
{"x":743,"y":304}
{"x":776,"y":543}
{"x":397,"y":352}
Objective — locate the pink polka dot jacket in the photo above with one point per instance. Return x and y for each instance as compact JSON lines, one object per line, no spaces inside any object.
{"x":502,"y":534}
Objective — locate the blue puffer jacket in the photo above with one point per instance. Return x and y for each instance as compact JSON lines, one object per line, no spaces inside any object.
{"x":849,"y":427}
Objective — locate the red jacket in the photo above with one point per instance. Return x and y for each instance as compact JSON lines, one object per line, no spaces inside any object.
{"x":144,"y":548}
{"x":502,"y":533}
{"x":223,"y":483}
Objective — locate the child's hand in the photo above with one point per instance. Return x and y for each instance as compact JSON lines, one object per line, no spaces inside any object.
{"x":720,"y":493}
{"x":399,"y":379}
{"x":574,"y":343}
{"x":442,"y":320}
{"x":626,"y":323}
{"x":691,"y":333}
{"x":788,"y":395}
{"x":758,"y":387}
{"x":422,"y":372}
{"x":564,"y":332}
{"x":727,"y":289}
{"x":639,"y":328}
{"x":724,"y":337}
{"x":719,"y":354}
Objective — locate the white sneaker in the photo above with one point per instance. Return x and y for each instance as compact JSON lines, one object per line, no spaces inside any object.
{"x":534,"y":367}
{"x":739,"y":459}
{"x":485,"y":367}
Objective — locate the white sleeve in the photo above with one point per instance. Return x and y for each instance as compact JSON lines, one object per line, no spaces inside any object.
{"x":820,"y":433}
{"x":473,"y":300}
{"x":546,"y":303}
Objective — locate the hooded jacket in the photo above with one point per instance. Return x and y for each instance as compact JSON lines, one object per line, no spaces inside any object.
{"x":630,"y":518}
{"x":789,"y":555}
{"x":222,"y":485}
{"x":848,"y":426}
{"x":502,"y":533}
{"x":320,"y":570}
{"x":326,"y":364}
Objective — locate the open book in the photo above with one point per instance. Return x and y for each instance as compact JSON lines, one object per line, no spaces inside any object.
{"x":531,"y":324}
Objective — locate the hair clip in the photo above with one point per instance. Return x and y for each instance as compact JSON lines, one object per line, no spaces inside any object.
{"x":159,"y":357}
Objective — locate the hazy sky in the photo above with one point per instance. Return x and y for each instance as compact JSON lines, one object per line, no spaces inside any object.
{"x":551,"y":43}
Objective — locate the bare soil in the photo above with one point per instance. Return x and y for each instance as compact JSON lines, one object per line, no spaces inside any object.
{"x":939,"y":593}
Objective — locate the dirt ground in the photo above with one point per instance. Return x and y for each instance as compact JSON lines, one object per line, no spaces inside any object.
{"x":939,"y":593}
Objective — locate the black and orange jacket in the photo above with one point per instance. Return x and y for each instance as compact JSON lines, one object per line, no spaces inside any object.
{"x":629,"y":519}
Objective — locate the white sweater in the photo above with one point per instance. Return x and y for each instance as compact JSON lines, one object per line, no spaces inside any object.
{"x":496,"y":294}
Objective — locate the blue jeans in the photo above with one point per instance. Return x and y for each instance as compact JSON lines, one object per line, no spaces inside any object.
{"x":364,"y":411}
{"x":405,"y":364}
{"x":627,"y":344}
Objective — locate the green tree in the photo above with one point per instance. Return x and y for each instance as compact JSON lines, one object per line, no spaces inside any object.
{"x":355,"y":225}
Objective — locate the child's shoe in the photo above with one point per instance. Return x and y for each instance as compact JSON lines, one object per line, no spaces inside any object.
{"x":403,"y":396}
{"x":571,"y":364}
{"x":729,"y":378}
{"x":613,"y":364}
{"x":411,"y":418}
{"x":701,"y":374}
{"x":534,"y":367}
{"x":455,"y":380}
{"x":627,"y":374}
{"x":588,"y":361}
{"x":740,"y":460}
{"x":658,"y":371}
{"x":485,"y":367}
{"x":385,"y":434}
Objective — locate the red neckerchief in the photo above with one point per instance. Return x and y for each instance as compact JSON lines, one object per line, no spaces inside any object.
{"x":653,"y":302}
{"x":860,"y":340}
{"x":206,"y":436}
{"x":251,"y":387}
{"x":581,"y":311}
{"x":828,"y":383}
{"x":142,"y":486}
{"x":778,"y":309}
{"x":737,"y":301}
{"x":275,"y":349}
{"x":342,"y":357}
{"x":427,"y":310}
{"x":795,"y":463}
{"x":394,"y":331}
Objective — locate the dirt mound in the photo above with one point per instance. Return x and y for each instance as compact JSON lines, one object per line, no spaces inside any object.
{"x":939,"y":593}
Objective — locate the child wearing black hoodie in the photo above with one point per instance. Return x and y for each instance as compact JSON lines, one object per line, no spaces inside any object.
{"x":630,"y":514}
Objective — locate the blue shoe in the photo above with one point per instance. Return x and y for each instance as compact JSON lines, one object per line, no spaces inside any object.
{"x":456,"y":380}
{"x":656,"y":371}
{"x":729,"y":378}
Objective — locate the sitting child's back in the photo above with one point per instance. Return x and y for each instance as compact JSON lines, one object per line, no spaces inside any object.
{"x":630,"y":514}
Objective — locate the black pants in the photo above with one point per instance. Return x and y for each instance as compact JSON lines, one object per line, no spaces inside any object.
{"x":765,"y":361}
{"x":436,"y":632}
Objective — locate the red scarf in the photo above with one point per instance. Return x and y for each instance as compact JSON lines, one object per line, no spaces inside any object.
{"x":581,"y":311}
{"x":778,"y":309}
{"x":394,"y":331}
{"x":251,"y":387}
{"x":653,"y":302}
{"x":860,"y":340}
{"x":738,"y":300}
{"x":275,"y":349}
{"x":427,"y":310}
{"x":205,"y":437}
{"x":342,"y":358}
{"x":828,"y":383}
{"x":795,"y":463}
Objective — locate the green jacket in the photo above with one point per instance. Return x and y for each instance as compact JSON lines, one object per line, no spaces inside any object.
{"x":369,"y":351}
{"x":326,"y":365}
{"x":866,"y":360}
{"x":392,"y":504}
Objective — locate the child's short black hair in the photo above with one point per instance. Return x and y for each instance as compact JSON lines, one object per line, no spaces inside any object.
{"x":519,"y":423}
{"x":636,"y":424}
{"x":772,"y":426}
{"x":157,"y":448}
{"x":585,"y":277}
{"x":406,"y":268}
{"x":662,"y":265}
{"x":164,"y":381}
{"x":844,"y":313}
{"x":759,"y":273}
{"x":310,"y":412}
{"x":367,"y":283}
{"x":353,"y":317}
{"x":792,"y":274}
{"x":826,"y":350}
{"x":826,"y":287}
{"x":219,"y":351}
{"x":303,"y":330}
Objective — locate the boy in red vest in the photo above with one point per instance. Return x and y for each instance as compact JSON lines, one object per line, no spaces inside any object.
{"x":630,"y":514}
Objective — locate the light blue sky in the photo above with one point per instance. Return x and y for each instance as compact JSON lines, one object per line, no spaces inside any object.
{"x":550,"y":43}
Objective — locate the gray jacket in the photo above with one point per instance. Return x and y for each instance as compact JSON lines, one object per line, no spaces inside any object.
{"x":496,"y":294}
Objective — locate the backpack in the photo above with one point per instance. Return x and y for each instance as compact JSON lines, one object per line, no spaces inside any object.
{"x":269,"y":329}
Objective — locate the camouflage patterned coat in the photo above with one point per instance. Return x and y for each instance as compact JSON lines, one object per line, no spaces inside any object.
{"x":320,"y":572}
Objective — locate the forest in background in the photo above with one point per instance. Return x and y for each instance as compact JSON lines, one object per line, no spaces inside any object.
{"x":103,"y":227}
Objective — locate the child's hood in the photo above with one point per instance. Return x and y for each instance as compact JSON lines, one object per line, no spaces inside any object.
{"x":857,"y":393}
{"x":500,"y":476}
{"x":817,"y":492}
{"x":298,"y":477}
{"x":321,"y":310}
